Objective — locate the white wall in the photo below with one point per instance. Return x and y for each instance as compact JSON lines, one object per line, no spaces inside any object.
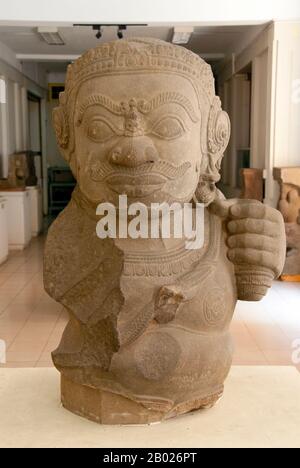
{"x":256,"y":55}
{"x":11,"y":117}
{"x":287,"y":73}
{"x":19,"y":130}
{"x":25,"y":123}
{"x":259,"y":110}
{"x":3,"y":136}
{"x":56,"y":77}
{"x":275,"y":109}
{"x":14,"y":112}
{"x":283,"y":133}
{"x":8,"y":55}
{"x":34,"y":125}
{"x":35,"y":72}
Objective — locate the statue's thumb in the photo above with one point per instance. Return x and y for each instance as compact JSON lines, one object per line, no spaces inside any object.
{"x":221,"y":208}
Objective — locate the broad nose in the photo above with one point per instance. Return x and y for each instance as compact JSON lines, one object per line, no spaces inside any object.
{"x":133,"y":151}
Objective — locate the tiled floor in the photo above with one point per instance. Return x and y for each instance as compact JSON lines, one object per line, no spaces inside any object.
{"x":31,"y":323}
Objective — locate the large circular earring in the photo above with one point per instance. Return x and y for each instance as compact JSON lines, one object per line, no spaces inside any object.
{"x":218,"y":134}
{"x":61,"y":127}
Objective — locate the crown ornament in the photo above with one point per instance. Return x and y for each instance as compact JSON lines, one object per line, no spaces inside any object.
{"x":134,"y":122}
{"x":140,"y":54}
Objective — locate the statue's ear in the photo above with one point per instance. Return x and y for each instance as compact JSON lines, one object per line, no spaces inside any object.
{"x":62,"y":132}
{"x":61,"y":127}
{"x":218,"y":134}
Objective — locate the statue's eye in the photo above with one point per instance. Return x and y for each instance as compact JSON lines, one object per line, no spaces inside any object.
{"x":168,"y":128}
{"x":99,"y":131}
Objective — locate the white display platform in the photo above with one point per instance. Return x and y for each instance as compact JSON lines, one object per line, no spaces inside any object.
{"x":3,"y":230}
{"x":19,"y":218}
{"x":35,"y":196}
{"x":260,"y":408}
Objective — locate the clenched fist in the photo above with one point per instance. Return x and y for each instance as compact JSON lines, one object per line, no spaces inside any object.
{"x":256,"y":244}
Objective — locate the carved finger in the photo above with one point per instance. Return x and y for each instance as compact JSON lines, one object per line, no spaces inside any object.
{"x":253,"y":241}
{"x":293,"y":196}
{"x":254,"y":257}
{"x":255,"y":211}
{"x":255,"y":226}
{"x":222,"y":207}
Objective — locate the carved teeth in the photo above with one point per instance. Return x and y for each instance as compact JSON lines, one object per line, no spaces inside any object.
{"x":147,"y":179}
{"x":135,"y":192}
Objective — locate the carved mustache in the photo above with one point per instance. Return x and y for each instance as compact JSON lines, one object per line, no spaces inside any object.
{"x":148,"y":173}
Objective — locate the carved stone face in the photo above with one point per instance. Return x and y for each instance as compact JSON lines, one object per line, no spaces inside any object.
{"x":140,"y":117}
{"x":137,"y":134}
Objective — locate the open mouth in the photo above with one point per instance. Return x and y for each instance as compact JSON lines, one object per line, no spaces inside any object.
{"x":136,"y":186}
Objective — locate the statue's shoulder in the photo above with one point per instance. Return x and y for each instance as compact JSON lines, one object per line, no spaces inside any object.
{"x":70,"y":250}
{"x":65,"y":230}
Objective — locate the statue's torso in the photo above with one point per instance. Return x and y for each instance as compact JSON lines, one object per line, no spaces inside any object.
{"x":117,"y":338}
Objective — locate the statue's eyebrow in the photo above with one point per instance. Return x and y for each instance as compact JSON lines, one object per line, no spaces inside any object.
{"x":144,"y":106}
{"x":166,"y":98}
{"x":99,"y":99}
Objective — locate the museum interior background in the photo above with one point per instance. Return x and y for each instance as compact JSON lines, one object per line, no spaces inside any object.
{"x":257,"y":73}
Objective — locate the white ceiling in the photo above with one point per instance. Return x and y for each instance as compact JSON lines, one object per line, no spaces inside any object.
{"x":213,"y":43}
{"x":25,"y":40}
{"x":213,"y":39}
{"x":222,"y":39}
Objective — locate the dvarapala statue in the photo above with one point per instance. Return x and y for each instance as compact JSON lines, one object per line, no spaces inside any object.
{"x":148,"y":336}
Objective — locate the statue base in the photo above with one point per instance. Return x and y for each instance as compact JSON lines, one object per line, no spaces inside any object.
{"x":110,"y":408}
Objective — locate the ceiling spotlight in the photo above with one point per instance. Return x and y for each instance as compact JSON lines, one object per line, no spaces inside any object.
{"x":99,"y":33}
{"x":182,"y":35}
{"x":50,"y":35}
{"x":121,"y":28}
{"x":98,"y":27}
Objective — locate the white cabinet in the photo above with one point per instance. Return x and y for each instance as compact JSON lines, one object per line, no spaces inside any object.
{"x":3,"y":230}
{"x":19,"y":218}
{"x":35,"y":196}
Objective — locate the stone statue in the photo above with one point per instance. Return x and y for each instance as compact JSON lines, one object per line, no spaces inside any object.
{"x":17,"y":172}
{"x":148,"y":336}
{"x":21,"y":171}
{"x":253,"y":183}
{"x":291,"y":270}
{"x":289,"y":205}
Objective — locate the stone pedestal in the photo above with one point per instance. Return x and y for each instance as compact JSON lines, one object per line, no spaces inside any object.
{"x":110,"y":408}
